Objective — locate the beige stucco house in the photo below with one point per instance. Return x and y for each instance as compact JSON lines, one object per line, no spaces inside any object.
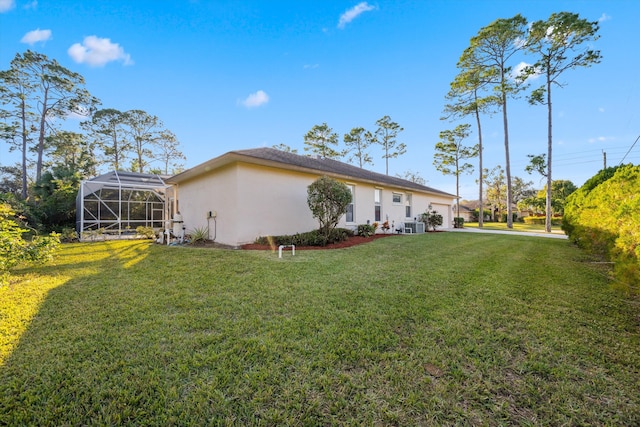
{"x":246,"y":194}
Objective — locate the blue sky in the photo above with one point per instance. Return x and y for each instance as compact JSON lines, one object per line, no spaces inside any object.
{"x":227,"y":75}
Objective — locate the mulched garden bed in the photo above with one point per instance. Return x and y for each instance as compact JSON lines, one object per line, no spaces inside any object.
{"x":351,"y":241}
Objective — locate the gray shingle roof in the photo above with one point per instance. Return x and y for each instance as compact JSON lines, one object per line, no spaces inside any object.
{"x":330,"y":166}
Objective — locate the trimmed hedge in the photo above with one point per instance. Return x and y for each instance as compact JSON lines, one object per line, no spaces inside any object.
{"x":603,"y":217}
{"x":310,"y":238}
{"x":541,"y":220}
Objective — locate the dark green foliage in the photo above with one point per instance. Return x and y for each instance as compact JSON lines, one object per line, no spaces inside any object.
{"x":15,"y":250}
{"x":310,"y":238}
{"x":503,"y":217}
{"x":56,"y":197}
{"x":10,"y":179}
{"x":366,"y":230}
{"x":603,"y":217}
{"x":458,"y":222}
{"x":387,"y":136}
{"x":431,"y":219}
{"x":476,"y":213}
{"x":320,"y":140}
{"x":328,"y":200}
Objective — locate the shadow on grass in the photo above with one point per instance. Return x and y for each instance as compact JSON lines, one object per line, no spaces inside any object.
{"x":439,"y":328}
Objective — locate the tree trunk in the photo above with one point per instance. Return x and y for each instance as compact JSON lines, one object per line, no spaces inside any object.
{"x":507,"y":161}
{"x":23,"y":118}
{"x":480,"y":180}
{"x":457,"y":194}
{"x":116,"y":152}
{"x":547,"y":222}
{"x":43,"y":124}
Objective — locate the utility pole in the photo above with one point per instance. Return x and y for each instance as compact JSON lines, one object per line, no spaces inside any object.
{"x":604,"y":158}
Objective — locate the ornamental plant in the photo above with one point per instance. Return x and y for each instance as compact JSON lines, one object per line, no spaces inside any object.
{"x":15,"y":250}
{"x":366,"y":230}
{"x":328,"y":200}
{"x":432,"y":219}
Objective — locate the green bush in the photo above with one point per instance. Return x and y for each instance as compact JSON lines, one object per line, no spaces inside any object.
{"x":603,"y":217}
{"x":328,"y":200}
{"x":366,"y":230}
{"x":475,"y":215}
{"x":310,"y":238}
{"x":68,"y":235}
{"x":199,"y":235}
{"x":503,"y":217}
{"x":458,"y":222}
{"x":431,"y":219}
{"x":147,"y":232}
{"x":93,"y":235}
{"x":541,"y":220}
{"x":15,"y":250}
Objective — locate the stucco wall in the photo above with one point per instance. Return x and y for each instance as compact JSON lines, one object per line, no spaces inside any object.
{"x":253,"y":201}
{"x":395,"y":213}
{"x":272,"y":202}
{"x":213,"y":191}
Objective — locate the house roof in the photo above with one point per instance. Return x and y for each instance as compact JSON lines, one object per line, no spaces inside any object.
{"x":129,"y":179}
{"x":290,"y":161}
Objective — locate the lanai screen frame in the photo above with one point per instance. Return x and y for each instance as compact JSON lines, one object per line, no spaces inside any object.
{"x":117,"y":212}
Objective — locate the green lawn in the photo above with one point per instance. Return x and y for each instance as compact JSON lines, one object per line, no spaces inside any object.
{"x":433,"y":329}
{"x":517,"y":226}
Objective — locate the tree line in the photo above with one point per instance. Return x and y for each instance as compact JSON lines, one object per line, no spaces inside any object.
{"x":38,"y":97}
{"x":487,"y":80}
{"x":322,"y":141}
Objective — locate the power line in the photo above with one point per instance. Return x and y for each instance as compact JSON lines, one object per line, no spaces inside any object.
{"x":631,"y":148}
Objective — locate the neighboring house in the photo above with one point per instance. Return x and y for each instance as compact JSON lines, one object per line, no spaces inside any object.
{"x":245,"y":194}
{"x":465,"y":212}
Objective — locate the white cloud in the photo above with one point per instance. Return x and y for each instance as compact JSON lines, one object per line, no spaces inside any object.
{"x":604,"y":17}
{"x":255,"y":99}
{"x":353,"y":13}
{"x":311,"y":66}
{"x":31,"y":5}
{"x":601,"y":109}
{"x":601,"y":139}
{"x":35,"y":36}
{"x":517,"y":70}
{"x":97,"y":51}
{"x":7,"y":5}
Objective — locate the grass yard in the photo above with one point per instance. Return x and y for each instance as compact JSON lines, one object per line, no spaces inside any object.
{"x":517,"y":226}
{"x":433,"y":329}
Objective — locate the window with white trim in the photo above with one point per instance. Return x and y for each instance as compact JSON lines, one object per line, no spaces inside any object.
{"x":377,"y":200}
{"x":350,"y":215}
{"x":397,"y":198}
